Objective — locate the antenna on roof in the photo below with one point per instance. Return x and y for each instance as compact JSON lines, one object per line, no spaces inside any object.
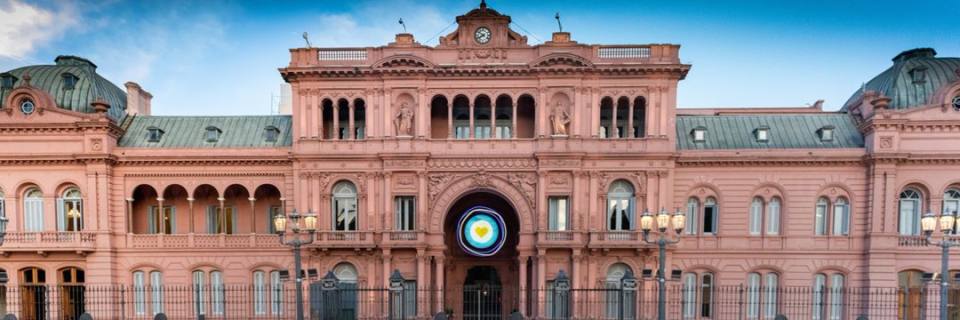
{"x":558,"y":21}
{"x":404,"y":25}
{"x":307,"y":39}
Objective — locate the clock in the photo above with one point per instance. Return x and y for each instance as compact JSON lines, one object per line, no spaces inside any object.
{"x":482,"y":35}
{"x":27,"y":106}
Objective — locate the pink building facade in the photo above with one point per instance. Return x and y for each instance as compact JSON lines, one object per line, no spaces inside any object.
{"x":569,"y":143}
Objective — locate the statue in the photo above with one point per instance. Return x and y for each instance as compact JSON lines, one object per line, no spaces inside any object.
{"x":403,"y":121}
{"x":559,"y":118}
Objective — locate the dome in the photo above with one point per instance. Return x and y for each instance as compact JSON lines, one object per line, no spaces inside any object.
{"x":914,"y":77}
{"x":56,"y":79}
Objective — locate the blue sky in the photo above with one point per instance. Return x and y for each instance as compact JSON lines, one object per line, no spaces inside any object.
{"x":211,"y":57}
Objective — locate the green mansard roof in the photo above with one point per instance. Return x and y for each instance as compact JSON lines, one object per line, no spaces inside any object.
{"x":88,"y":88}
{"x":786,"y":131}
{"x":190,"y":131}
{"x":914,"y":77}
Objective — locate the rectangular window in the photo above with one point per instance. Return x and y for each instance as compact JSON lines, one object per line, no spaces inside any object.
{"x":773,"y":217}
{"x":481,"y":132}
{"x":819,"y":284}
{"x":710,"y":217}
{"x":405,"y":216}
{"x":503,"y":132}
{"x":217,"y":292}
{"x":156,"y":291}
{"x":770,"y":296}
{"x":69,"y":214}
{"x":217,"y":222}
{"x":276,"y":293}
{"x":836,"y":297}
{"x":693,"y":212}
{"x":620,"y":217}
{"x":157,"y":223}
{"x":820,"y":217}
{"x":139,"y":294}
{"x":753,"y":296}
{"x":199,"y":293}
{"x":690,"y":296}
{"x":706,"y":295}
{"x":756,"y":216}
{"x":259,"y":293}
{"x":33,"y":214}
{"x":559,"y":213}
{"x":841,"y":218}
{"x":345,"y":218}
{"x":909,"y":217}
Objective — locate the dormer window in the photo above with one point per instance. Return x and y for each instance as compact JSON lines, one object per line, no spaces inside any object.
{"x":154,"y":134}
{"x":69,"y":81}
{"x":826,"y":133}
{"x":762,"y":134}
{"x":919,"y":74}
{"x":699,"y":134}
{"x":7,"y":81}
{"x":271,"y":133}
{"x":212,"y":134}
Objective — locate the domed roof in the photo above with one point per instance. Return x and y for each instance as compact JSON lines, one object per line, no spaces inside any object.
{"x":914,"y":77}
{"x":87,"y":85}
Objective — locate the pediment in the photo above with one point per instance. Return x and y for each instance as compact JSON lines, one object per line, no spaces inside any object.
{"x":561,"y":59}
{"x":403,"y":62}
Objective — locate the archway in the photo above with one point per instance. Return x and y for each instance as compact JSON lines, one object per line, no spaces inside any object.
{"x":484,"y":281}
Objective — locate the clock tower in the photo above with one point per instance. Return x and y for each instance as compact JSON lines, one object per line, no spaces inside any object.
{"x":483,"y":27}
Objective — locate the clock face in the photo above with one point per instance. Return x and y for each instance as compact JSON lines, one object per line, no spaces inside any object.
{"x":482,"y":35}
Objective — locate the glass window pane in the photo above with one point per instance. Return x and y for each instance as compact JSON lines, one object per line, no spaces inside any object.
{"x":773,"y":217}
{"x":820,"y":227}
{"x":756,"y":216}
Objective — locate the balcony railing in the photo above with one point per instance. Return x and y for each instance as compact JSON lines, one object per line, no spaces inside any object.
{"x":344,"y":239}
{"x":623,"y":52}
{"x":193,"y":240}
{"x":615,"y":239}
{"x":921,"y":241}
{"x":566,"y":238}
{"x":50,"y":241}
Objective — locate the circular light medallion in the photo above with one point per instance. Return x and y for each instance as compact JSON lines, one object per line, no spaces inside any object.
{"x":481,"y":232}
{"x":27,"y":106}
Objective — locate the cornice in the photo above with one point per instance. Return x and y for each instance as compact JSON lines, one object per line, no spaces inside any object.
{"x":44,"y":160}
{"x":205,"y":161}
{"x":741,"y":161}
{"x":205,"y":174}
{"x":677,"y":70}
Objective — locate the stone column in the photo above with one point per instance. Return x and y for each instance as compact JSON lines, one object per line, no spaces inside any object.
{"x":471,"y":119}
{"x":162,"y":228}
{"x":336,"y":121}
{"x":630,"y":119}
{"x":522,"y":268}
{"x":387,"y":258}
{"x":438,"y":260}
{"x":387,"y":197}
{"x":541,"y":284}
{"x":614,"y":132}
{"x":421,"y":204}
{"x":352,"y":134}
{"x":493,"y":119}
{"x":575,"y":271}
{"x":223,"y":215}
{"x":421,"y":281}
{"x":319,"y":104}
{"x":513,"y":119}
{"x":253,"y":214}
{"x":450,"y":130}
{"x":422,"y":116}
{"x":192,"y":218}
{"x":129,"y":216}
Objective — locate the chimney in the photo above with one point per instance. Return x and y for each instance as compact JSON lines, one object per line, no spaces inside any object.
{"x":138,"y":100}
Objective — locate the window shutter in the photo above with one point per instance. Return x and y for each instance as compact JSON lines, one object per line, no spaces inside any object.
{"x":61,"y":216}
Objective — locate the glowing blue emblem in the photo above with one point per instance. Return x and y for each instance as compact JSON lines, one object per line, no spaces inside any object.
{"x":481,"y":232}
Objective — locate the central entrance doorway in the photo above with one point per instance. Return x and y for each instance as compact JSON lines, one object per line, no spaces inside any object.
{"x":482,"y":294}
{"x":480,"y":285}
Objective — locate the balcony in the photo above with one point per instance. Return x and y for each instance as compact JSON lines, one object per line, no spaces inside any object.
{"x":403,"y":239}
{"x":192,"y":240}
{"x":920,"y":241}
{"x":344,"y":239}
{"x":81,"y":242}
{"x":559,"y":239}
{"x":616,"y":239}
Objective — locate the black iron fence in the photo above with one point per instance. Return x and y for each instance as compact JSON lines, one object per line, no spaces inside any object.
{"x":348,"y":301}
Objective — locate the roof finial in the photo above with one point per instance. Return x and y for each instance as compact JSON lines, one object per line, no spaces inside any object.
{"x":558,"y":21}
{"x":404,"y":25}
{"x":483,"y":4}
{"x":307,"y":39}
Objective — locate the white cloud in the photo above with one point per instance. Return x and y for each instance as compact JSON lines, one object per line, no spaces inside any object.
{"x":24,"y":27}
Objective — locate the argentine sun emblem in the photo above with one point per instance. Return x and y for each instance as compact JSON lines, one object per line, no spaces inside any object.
{"x":481,"y":232}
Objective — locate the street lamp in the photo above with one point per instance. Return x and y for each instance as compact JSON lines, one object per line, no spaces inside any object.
{"x":664,"y":221}
{"x":293,"y":220}
{"x":947,"y":221}
{"x":3,"y":228}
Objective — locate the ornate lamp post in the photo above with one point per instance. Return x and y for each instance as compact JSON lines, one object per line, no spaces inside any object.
{"x":947,"y":222}
{"x":309,"y":229}
{"x":664,"y":221}
{"x":3,"y":228}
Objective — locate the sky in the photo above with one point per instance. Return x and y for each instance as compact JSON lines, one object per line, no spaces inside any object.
{"x":221,"y":57}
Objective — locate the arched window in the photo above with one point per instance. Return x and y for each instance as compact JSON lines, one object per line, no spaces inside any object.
{"x":276,"y":293}
{"x":348,"y":275}
{"x":773,"y":216}
{"x":259,"y":293}
{"x":70,"y":210}
{"x":910,"y":297}
{"x":693,"y":214}
{"x":199,"y":292}
{"x":141,"y":286}
{"x":156,"y":291}
{"x":620,"y":206}
{"x":139,"y":293}
{"x":910,"y":206}
{"x":33,"y":210}
{"x":698,"y":295}
{"x":841,"y":217}
{"x":615,"y":302}
{"x":951,"y":203}
{"x":820,"y":219}
{"x":762,"y":295}
{"x":711,"y":216}
{"x":346,"y":272}
{"x":33,"y":285}
{"x":3,"y":208}
{"x":827,"y":296}
{"x":217,"y":293}
{"x":756,"y":215}
{"x":345,"y":206}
